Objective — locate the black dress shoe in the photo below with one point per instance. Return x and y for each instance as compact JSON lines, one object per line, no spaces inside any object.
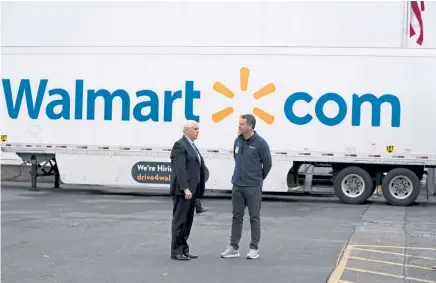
{"x":180,"y":257}
{"x":190,"y":255}
{"x":201,"y":210}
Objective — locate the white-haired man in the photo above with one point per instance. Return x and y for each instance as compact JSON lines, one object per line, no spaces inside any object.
{"x":187,"y":184}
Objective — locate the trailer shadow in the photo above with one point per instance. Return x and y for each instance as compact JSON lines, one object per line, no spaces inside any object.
{"x":45,"y":189}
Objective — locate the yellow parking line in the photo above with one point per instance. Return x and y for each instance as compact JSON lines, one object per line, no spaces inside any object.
{"x":389,"y":275}
{"x":393,"y":247}
{"x":340,"y":266}
{"x":389,"y":262}
{"x":391,"y":253}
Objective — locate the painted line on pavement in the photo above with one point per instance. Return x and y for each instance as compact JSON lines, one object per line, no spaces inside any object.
{"x":389,"y":262}
{"x":391,"y":253}
{"x":389,"y":275}
{"x":340,"y":266}
{"x":393,"y":247}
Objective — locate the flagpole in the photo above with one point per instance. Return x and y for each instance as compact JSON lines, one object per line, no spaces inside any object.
{"x":406,"y":23}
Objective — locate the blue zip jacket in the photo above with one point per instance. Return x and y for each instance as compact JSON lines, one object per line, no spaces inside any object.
{"x":252,"y":161}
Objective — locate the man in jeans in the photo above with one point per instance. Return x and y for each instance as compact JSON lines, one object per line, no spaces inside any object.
{"x":252,"y":165}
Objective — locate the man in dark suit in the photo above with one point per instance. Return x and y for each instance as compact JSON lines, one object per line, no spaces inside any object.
{"x":187,"y":184}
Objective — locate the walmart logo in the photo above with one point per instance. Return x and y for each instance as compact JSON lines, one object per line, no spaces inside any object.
{"x":243,"y":79}
{"x":318,"y":106}
{"x":148,"y":106}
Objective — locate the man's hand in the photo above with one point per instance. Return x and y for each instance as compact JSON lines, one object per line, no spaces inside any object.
{"x":188,"y":194}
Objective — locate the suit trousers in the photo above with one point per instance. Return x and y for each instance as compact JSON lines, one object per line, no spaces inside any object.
{"x":183,"y":217}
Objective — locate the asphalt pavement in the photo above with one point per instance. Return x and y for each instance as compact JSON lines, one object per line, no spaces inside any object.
{"x":86,"y":235}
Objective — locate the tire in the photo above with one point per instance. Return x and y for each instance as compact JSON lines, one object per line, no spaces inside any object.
{"x":360,"y":181}
{"x":401,"y":187}
{"x":206,"y":173}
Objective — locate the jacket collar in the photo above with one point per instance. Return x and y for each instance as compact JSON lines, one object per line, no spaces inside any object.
{"x":188,"y":143}
{"x":252,"y":137}
{"x":188,"y":140}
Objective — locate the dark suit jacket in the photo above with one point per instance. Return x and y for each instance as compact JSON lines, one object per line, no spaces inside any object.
{"x":185,"y":168}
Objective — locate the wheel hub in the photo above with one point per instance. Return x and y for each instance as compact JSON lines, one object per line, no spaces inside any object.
{"x":353,"y":185}
{"x":400,"y":187}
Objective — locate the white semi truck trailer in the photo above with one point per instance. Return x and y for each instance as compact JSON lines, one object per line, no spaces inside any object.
{"x":97,"y":93}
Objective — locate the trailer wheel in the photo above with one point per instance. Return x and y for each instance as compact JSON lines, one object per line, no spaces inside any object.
{"x":353,"y":185}
{"x":401,"y":187}
{"x":206,"y":173}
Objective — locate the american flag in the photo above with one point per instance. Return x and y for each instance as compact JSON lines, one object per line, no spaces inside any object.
{"x":416,"y":10}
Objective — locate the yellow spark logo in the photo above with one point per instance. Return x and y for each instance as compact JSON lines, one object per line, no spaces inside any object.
{"x":243,"y":79}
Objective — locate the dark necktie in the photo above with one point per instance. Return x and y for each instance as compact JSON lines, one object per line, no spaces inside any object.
{"x":196,"y":152}
{"x":199,"y":159}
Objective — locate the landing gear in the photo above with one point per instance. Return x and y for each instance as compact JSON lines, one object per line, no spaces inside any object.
{"x":41,"y":165}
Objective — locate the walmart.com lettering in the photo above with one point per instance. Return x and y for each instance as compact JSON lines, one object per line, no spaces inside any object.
{"x":151,"y":106}
{"x":355,"y":109}
{"x":148,"y":110}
